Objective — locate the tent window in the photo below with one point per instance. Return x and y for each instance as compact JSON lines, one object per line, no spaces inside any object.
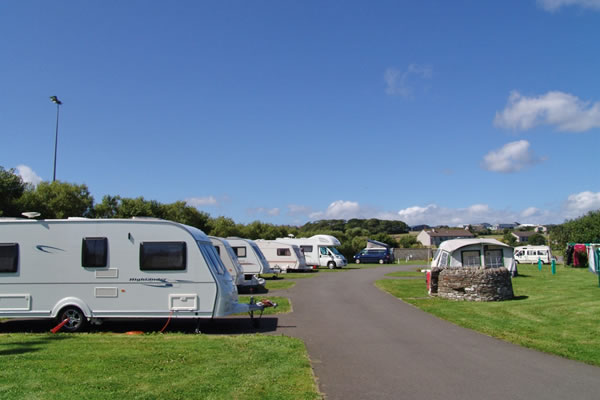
{"x":94,"y":252}
{"x":240,"y":251}
{"x":9,"y":257}
{"x":471,"y":258}
{"x":444,"y":259}
{"x":493,"y":258}
{"x":163,"y":256}
{"x":284,"y":252}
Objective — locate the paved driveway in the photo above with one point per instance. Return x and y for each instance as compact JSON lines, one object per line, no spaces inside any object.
{"x":366,"y":344}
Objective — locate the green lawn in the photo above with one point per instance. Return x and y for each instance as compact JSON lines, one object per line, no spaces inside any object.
{"x":154,"y":366}
{"x":557,"y":314}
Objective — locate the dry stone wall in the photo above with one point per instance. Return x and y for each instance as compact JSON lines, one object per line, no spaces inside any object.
{"x":472,"y":284}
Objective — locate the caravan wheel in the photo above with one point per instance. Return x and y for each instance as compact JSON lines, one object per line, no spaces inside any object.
{"x":381,"y":261}
{"x":77,"y":320}
{"x":331,"y":264}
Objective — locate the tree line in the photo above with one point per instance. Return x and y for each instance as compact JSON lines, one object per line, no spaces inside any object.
{"x":62,"y":200}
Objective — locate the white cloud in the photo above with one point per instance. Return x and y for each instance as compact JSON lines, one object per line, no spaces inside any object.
{"x":343,"y":209}
{"x":564,"y":111}
{"x":202,"y":201}
{"x":28,"y":175}
{"x":554,"y":5}
{"x":273,"y":212}
{"x":579,"y":204}
{"x":433,"y":214}
{"x":404,"y":83}
{"x":511,"y":157}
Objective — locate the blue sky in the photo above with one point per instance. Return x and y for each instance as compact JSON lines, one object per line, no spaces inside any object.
{"x":432,"y":112}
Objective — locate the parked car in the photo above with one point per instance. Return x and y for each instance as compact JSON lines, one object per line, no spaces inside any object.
{"x":374,"y":255}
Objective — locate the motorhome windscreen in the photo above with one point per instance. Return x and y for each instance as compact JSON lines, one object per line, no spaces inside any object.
{"x":9,"y":257}
{"x":163,"y":256}
{"x":335,"y":251}
{"x":94,"y":252}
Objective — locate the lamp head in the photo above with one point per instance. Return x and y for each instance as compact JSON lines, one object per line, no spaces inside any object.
{"x":55,"y":100}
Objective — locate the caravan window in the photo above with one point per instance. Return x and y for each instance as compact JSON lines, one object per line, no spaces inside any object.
{"x":218,"y":249}
{"x":212,"y":259}
{"x":161,"y":256}
{"x":94,"y":252}
{"x":323,"y":251}
{"x":471,"y":258}
{"x":240,"y":251}
{"x":9,"y":257}
{"x":306,"y":249}
{"x":284,"y":252}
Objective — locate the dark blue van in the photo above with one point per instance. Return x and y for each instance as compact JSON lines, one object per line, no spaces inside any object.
{"x":374,"y":255}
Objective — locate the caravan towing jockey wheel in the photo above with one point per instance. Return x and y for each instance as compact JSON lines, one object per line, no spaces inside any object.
{"x":77,"y":320}
{"x":331,"y":264}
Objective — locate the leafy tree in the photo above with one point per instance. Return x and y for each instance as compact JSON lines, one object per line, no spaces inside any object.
{"x":58,"y":200}
{"x":508,"y":238}
{"x":537,"y":240}
{"x":181,"y":212}
{"x":407,"y":241}
{"x":12,"y":188}
{"x":223,"y":227}
{"x":585,"y":229}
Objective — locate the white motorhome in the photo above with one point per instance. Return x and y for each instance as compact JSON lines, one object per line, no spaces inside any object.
{"x":282,"y":256}
{"x":319,"y":250}
{"x":489,"y":253}
{"x":81,"y":270}
{"x":531,"y":254}
{"x":233,"y":265}
{"x":251,"y":259}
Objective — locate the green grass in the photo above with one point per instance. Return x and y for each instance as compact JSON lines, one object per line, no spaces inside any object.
{"x":280,"y":284}
{"x":154,"y":366}
{"x":283,"y":303}
{"x":558,"y":314}
{"x":403,"y":274}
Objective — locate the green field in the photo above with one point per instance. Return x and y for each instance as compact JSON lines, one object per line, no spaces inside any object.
{"x":154,"y":366}
{"x":558,"y":314}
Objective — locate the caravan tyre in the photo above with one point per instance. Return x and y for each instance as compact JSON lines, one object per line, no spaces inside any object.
{"x":77,"y":320}
{"x":357,"y":261}
{"x":380,"y":261}
{"x":331,"y":265}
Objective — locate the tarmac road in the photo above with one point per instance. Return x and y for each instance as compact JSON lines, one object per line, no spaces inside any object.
{"x":366,"y":344}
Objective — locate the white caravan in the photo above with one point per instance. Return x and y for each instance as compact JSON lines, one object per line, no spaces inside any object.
{"x":489,"y":253}
{"x":252,"y":260}
{"x":282,"y":256}
{"x":531,"y":254}
{"x":233,"y":265}
{"x":89,"y":269}
{"x":319,"y":250}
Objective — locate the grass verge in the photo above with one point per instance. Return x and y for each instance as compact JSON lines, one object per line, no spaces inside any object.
{"x":153,"y":366}
{"x":557,"y":314}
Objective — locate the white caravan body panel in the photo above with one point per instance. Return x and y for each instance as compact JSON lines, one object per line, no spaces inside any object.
{"x":112,"y":268}
{"x":282,"y":256}
{"x":251,"y":259}
{"x":319,"y":250}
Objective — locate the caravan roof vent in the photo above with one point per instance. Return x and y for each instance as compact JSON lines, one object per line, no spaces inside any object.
{"x":31,"y":214}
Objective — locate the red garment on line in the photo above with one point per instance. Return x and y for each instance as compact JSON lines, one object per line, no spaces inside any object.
{"x":579,"y":248}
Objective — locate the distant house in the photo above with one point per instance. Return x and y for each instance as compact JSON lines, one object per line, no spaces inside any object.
{"x":523,"y":236}
{"x":499,"y":227}
{"x":433,"y":237}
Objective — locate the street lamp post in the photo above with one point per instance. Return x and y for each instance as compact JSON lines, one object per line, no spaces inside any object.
{"x":56,"y":101}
